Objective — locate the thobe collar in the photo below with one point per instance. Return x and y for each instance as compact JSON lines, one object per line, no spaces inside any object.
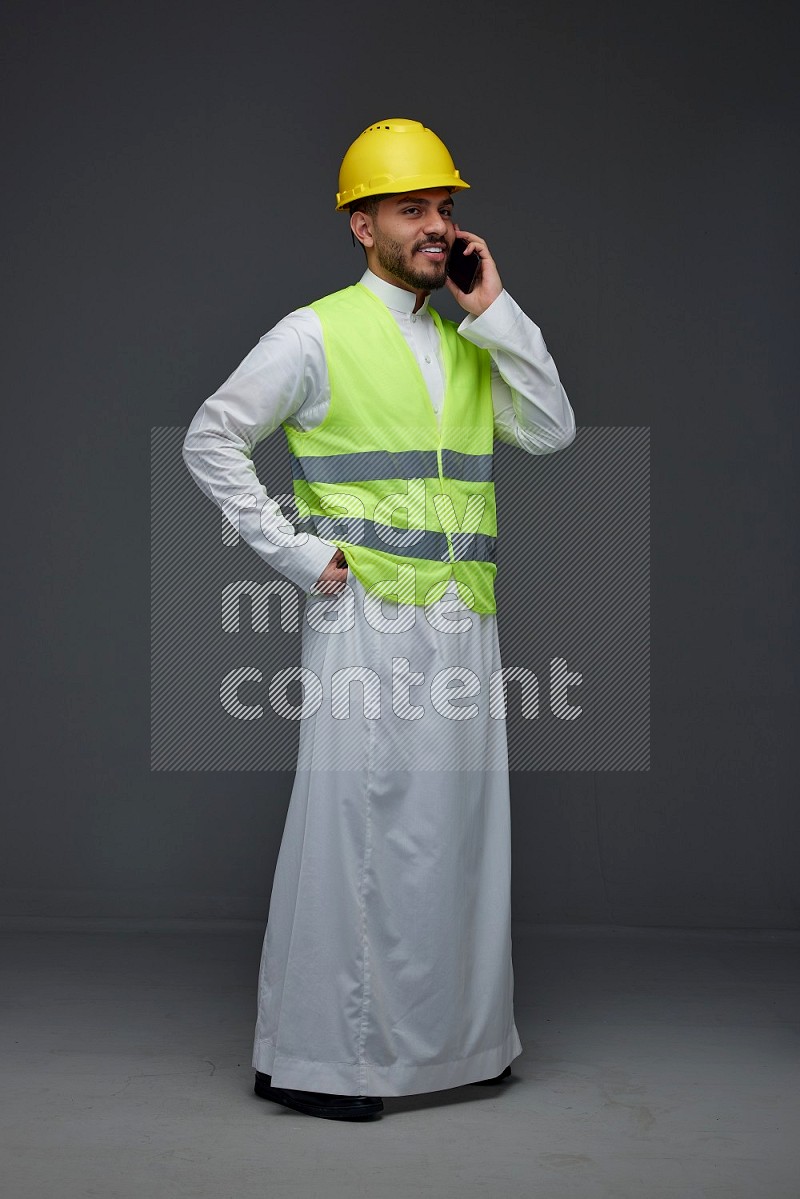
{"x":393,"y":297}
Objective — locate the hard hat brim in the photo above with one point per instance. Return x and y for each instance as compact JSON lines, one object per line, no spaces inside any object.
{"x":387,"y":185}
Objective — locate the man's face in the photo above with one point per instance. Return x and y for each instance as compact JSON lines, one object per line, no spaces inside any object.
{"x":412,"y":234}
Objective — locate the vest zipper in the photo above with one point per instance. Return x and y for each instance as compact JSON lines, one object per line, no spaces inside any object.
{"x":442,"y":490}
{"x":424,"y":392}
{"x":441,"y":428}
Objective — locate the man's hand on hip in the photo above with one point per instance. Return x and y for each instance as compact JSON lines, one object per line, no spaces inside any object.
{"x":334,"y":577}
{"x":487,"y":285}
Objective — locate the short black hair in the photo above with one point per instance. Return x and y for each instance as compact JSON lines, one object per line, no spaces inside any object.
{"x":369,"y":204}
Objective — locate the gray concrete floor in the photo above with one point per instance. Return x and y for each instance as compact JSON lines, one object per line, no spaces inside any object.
{"x":657,"y":1065}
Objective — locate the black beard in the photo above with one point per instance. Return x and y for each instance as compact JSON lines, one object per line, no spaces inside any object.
{"x":390,"y":256}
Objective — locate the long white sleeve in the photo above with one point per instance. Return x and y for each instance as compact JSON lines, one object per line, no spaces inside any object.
{"x":283,"y":373}
{"x":531,"y":409}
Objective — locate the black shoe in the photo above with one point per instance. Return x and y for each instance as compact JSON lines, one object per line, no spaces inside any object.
{"x":314,"y":1103}
{"x":489,"y":1082}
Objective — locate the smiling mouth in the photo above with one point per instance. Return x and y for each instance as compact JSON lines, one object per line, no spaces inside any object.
{"x":433,"y":251}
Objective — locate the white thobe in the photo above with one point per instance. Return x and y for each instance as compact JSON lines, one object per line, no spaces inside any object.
{"x":386,"y":964}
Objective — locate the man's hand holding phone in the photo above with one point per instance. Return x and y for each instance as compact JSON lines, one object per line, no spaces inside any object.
{"x":486,"y":286}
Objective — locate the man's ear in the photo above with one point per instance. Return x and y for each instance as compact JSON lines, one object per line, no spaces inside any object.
{"x":361,"y":226}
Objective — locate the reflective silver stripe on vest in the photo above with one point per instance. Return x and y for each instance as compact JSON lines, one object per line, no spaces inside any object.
{"x":408,"y":543}
{"x":470,"y":468}
{"x":375,"y":465}
{"x":366,"y":467}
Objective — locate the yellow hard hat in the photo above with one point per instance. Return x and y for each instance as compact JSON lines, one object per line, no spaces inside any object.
{"x":396,"y":155}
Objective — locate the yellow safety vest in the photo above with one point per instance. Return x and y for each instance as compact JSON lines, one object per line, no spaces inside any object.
{"x":411,"y":506}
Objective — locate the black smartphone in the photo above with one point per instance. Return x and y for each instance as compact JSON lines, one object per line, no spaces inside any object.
{"x":463,"y":271}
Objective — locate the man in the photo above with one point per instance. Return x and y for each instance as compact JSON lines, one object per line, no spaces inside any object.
{"x":386,"y":966}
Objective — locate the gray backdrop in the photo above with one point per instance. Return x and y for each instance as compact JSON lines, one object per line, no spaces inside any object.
{"x":172,"y":171}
